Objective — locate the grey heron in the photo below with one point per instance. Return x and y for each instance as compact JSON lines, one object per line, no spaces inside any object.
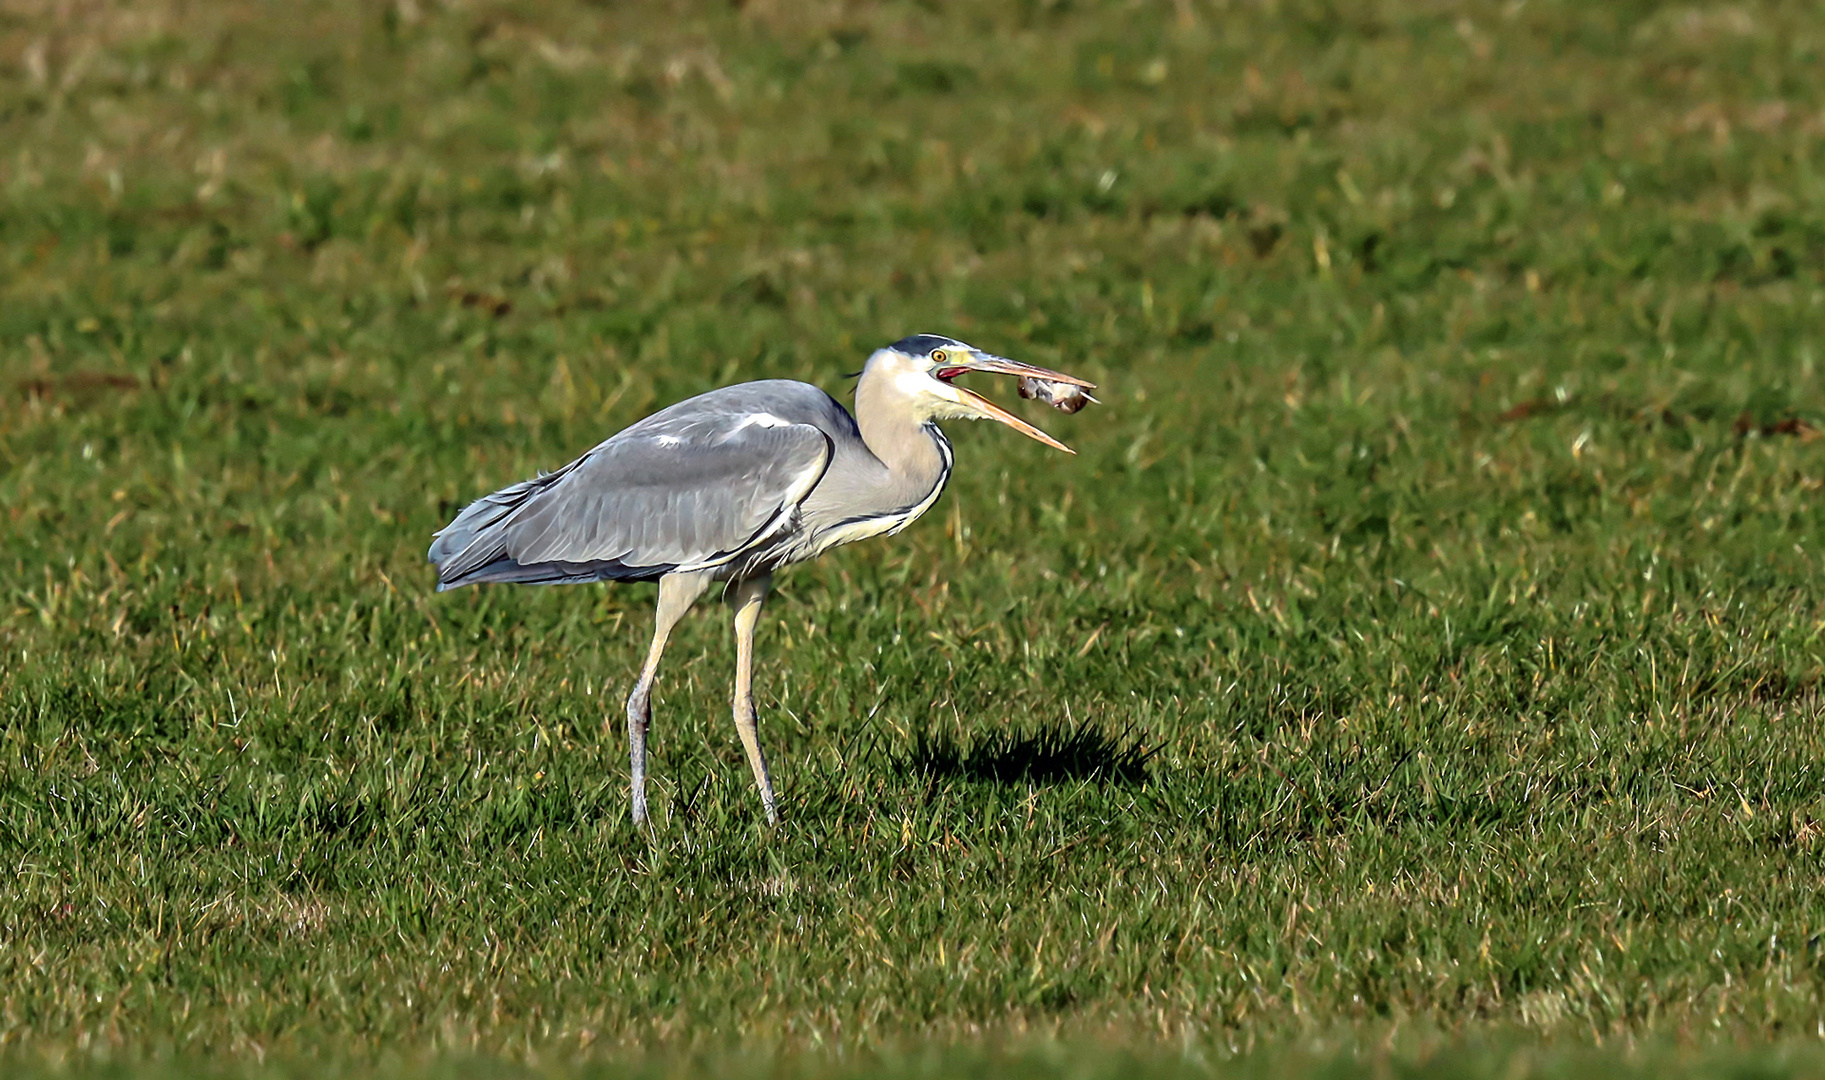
{"x":730,"y":486}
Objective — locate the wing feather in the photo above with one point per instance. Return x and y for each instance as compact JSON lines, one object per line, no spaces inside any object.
{"x":676,"y":492}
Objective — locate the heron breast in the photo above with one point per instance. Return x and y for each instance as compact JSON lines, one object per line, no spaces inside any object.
{"x":848,"y":532}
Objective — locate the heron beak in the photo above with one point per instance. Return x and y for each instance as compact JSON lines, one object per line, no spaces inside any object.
{"x":1001,"y":365}
{"x":996,"y":412}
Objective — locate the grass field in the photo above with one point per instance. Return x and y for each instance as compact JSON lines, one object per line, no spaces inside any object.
{"x":1416,"y":673}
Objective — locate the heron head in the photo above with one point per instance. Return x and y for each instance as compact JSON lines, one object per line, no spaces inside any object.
{"x":923,"y":366}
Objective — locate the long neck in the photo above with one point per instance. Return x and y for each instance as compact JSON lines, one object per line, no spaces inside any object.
{"x":882,"y":485}
{"x":914,"y":454}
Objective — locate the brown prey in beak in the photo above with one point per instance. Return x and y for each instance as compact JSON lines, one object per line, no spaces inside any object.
{"x":1027,"y":373}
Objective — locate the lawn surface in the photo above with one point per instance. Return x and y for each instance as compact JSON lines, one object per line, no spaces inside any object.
{"x":1417,"y":669}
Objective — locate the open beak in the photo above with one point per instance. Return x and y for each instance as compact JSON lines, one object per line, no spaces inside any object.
{"x":1001,"y":365}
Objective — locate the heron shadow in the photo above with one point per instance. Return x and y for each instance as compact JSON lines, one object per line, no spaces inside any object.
{"x":1048,"y":755}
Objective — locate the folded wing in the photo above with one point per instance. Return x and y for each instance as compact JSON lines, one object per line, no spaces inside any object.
{"x":676,"y":492}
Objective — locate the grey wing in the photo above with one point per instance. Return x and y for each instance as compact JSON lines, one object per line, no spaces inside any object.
{"x":689,"y":493}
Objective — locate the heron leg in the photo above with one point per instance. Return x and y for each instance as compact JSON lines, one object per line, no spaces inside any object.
{"x":677,"y":592}
{"x":746,"y":596}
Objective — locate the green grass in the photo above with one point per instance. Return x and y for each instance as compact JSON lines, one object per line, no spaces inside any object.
{"x":1426,"y":638}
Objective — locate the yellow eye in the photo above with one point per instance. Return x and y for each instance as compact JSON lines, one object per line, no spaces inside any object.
{"x":939,"y":356}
